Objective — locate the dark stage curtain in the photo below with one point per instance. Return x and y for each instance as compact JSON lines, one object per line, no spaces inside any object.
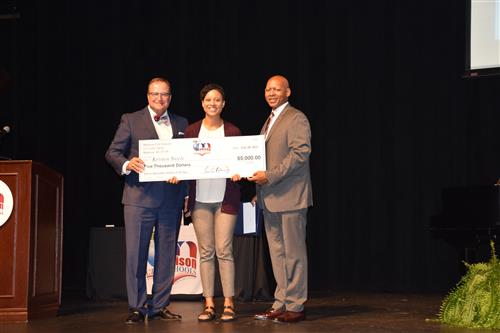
{"x":393,"y":121}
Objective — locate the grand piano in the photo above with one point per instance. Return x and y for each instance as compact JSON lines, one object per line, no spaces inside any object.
{"x":470,"y":218}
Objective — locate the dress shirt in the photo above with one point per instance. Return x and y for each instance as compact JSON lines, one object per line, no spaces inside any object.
{"x":277,"y":113}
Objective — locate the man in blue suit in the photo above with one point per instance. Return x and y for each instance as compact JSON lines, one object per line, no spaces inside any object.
{"x":149,"y":204}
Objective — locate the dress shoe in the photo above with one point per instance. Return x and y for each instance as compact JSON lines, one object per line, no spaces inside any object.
{"x":164,"y":314}
{"x":269,"y":314}
{"x":134,"y":317}
{"x":291,"y":317}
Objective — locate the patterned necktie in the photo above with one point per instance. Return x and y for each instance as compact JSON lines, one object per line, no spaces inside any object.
{"x":268,"y":122}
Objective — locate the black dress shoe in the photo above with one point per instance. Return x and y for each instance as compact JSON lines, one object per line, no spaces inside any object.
{"x":134,"y":317}
{"x":164,"y":314}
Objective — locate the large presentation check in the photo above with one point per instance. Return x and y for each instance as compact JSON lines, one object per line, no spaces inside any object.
{"x":202,"y":158}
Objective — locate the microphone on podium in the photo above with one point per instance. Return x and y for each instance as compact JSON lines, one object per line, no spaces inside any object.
{"x":4,"y":131}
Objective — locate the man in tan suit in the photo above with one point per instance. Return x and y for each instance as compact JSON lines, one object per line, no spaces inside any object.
{"x":284,"y":192}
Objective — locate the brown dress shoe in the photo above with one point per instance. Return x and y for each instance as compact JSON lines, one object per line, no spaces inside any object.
{"x":269,"y":314}
{"x":291,"y":317}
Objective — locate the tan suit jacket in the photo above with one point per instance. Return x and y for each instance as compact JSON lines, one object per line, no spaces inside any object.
{"x":288,"y":146}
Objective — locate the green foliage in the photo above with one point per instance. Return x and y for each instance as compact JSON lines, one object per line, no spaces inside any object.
{"x":475,"y":300}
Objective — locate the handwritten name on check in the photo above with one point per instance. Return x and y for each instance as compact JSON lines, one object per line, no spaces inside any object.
{"x":202,"y":158}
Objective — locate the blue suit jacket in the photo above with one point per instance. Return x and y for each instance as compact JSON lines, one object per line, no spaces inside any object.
{"x":125,"y":145}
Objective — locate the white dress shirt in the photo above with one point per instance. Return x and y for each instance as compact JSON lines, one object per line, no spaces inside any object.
{"x":277,"y":113}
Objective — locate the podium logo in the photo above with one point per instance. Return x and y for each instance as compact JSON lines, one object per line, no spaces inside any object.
{"x":185,"y":260}
{"x":6,"y":203}
{"x":202,"y":148}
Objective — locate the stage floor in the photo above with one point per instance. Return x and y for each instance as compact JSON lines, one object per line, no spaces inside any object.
{"x":340,"y":313}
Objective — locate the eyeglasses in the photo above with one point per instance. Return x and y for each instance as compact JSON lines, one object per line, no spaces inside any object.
{"x":156,"y":94}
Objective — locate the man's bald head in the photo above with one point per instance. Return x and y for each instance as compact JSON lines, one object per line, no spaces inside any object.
{"x":277,"y":91}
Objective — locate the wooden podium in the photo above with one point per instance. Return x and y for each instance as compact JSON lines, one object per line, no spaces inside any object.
{"x":31,"y":242}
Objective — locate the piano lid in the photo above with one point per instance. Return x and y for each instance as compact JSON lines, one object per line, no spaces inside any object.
{"x":474,"y":207}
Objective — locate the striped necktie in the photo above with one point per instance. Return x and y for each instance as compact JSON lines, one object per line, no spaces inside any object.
{"x":268,"y":122}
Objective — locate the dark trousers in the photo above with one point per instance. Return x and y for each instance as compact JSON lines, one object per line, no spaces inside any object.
{"x":139,"y":223}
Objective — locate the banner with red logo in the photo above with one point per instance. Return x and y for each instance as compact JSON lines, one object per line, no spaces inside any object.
{"x":187,"y":280}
